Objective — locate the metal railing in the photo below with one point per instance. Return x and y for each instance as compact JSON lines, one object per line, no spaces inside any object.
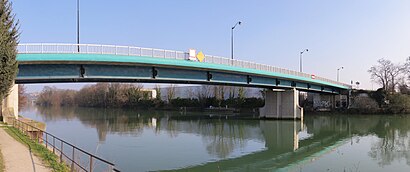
{"x":76,"y":158}
{"x":158,"y":53}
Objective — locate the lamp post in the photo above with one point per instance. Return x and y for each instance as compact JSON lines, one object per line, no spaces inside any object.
{"x":300,"y":59}
{"x":237,"y":23}
{"x":338,"y":69}
{"x":78,"y":25}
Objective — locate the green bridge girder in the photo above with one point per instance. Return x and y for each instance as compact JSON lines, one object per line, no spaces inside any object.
{"x":47,"y":68}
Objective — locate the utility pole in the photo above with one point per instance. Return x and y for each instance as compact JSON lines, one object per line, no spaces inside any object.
{"x":78,"y":25}
{"x":237,"y":23}
{"x":300,"y":59}
{"x":338,"y":69}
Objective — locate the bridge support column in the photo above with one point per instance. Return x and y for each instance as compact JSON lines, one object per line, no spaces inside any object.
{"x":10,"y":105}
{"x":282,"y":105}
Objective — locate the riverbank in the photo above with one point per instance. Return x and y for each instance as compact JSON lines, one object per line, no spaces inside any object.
{"x":18,"y":157}
{"x":48,"y":159}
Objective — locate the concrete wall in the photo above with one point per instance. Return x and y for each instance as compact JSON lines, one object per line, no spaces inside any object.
{"x":10,"y":106}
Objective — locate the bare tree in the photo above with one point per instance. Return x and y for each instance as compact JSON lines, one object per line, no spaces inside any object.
{"x":204,"y":92}
{"x":22,"y":95}
{"x":158,"y":90}
{"x":170,"y":92}
{"x":386,"y":73}
{"x":221,"y":92}
{"x":190,"y":92}
{"x":241,"y":93}
{"x":406,"y":70}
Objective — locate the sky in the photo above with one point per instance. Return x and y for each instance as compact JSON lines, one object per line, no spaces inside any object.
{"x":348,"y":33}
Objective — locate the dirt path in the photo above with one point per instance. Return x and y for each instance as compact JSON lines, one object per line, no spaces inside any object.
{"x":17,"y":157}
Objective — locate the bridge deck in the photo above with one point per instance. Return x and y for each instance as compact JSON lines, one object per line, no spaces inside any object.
{"x":93,"y":63}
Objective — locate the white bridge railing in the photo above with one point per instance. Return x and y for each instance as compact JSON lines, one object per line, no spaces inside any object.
{"x":152,"y":52}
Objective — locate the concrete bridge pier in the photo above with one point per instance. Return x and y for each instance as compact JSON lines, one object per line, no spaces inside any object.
{"x":282,"y":104}
{"x":10,"y":105}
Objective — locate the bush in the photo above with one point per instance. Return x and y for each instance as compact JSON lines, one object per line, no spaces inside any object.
{"x":399,"y":103}
{"x":365,"y":105}
{"x":185,"y":102}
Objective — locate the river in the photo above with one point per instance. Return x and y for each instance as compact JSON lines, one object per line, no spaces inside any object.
{"x":137,"y":140}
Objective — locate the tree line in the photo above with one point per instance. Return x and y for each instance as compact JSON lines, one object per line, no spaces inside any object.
{"x":134,"y":96}
{"x":394,"y":94}
{"x":391,"y":76}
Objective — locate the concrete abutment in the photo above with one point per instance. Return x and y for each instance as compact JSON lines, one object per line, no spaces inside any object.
{"x":10,"y":105}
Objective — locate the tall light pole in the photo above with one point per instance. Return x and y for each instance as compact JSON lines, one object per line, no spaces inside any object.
{"x":237,"y":23}
{"x":78,"y":25}
{"x":300,"y":59}
{"x":338,"y":69}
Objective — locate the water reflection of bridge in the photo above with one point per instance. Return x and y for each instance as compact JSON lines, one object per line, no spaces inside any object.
{"x":282,"y":143}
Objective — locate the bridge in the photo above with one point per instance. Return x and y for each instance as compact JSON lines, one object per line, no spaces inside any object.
{"x":56,"y":63}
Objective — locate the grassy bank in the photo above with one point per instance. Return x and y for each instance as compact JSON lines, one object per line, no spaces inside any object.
{"x":49,"y":158}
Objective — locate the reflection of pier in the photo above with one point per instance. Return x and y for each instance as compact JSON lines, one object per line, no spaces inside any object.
{"x":283,"y":145}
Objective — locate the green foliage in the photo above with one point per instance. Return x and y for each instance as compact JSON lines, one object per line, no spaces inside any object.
{"x":244,"y":102}
{"x":8,"y":48}
{"x":185,"y":102}
{"x":399,"y":103}
{"x":379,"y":96}
{"x":39,"y":150}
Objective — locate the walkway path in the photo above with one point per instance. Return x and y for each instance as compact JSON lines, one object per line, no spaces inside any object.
{"x":17,"y":157}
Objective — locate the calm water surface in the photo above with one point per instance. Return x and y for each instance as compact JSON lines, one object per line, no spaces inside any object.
{"x":159,"y":140}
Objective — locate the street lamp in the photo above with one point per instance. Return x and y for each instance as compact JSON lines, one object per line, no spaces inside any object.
{"x":338,"y":69}
{"x":237,"y":23}
{"x":300,"y":59}
{"x":78,"y":25}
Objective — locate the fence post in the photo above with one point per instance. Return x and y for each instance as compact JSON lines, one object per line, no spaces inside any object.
{"x":54,"y":144}
{"x":72,"y":161}
{"x":61,"y":151}
{"x":38,"y":135}
{"x":91,"y":163}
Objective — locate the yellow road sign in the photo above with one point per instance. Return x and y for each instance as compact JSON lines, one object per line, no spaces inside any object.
{"x":200,"y":56}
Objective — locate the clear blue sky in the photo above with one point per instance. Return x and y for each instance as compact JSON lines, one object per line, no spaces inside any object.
{"x":348,"y":33}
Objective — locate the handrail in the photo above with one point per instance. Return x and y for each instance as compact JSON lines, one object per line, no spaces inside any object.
{"x":65,"y":48}
{"x":42,"y":137}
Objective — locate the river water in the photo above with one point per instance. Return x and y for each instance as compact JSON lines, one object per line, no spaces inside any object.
{"x":162,"y":140}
